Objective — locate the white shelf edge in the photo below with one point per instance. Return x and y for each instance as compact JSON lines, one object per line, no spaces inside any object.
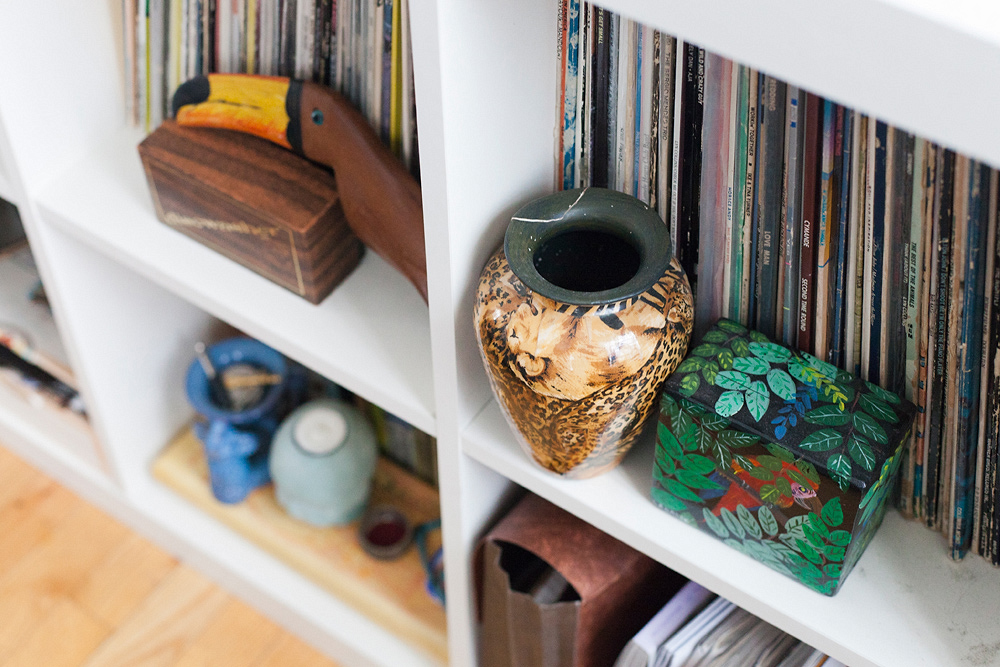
{"x":6,"y":186}
{"x":271,"y":585}
{"x":976,"y":18}
{"x":103,"y":201}
{"x":905,"y":603}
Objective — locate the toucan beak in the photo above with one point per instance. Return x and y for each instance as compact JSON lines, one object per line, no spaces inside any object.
{"x":381,"y":201}
{"x":265,"y":106}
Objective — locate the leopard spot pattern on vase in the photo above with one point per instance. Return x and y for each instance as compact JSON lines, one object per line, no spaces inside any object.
{"x":578,"y":382}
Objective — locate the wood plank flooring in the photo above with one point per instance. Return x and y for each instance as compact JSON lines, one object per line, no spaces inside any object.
{"x":79,"y":589}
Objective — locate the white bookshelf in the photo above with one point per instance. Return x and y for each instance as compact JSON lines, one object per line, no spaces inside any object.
{"x":131,"y":296}
{"x":6,"y":187}
{"x":7,"y":190}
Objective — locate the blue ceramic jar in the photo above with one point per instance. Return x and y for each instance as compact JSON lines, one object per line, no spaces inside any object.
{"x":236,"y":440}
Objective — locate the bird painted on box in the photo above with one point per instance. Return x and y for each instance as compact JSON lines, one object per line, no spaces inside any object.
{"x":381,"y":200}
{"x":744,"y":489}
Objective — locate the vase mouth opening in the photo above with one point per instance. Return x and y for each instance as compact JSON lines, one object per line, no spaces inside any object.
{"x":587,"y":247}
{"x":587,"y":260}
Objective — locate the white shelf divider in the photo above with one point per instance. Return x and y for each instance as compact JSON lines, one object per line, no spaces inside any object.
{"x":371,"y":335}
{"x":6,"y":187}
{"x":905,"y":604}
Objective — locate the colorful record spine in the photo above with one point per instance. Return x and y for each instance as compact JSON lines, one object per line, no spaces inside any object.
{"x":571,"y":42}
{"x":812,"y":152}
{"x":769,"y":187}
{"x":824,"y":242}
{"x":793,"y":216}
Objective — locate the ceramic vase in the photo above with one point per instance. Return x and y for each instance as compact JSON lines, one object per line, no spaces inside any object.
{"x":581,"y":316}
{"x":322,"y":462}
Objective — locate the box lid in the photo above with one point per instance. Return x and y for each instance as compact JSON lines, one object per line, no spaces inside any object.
{"x":845,"y":426}
{"x":274,"y":183}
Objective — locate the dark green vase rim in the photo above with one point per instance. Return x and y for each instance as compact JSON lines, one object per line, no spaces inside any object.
{"x":588,"y":209}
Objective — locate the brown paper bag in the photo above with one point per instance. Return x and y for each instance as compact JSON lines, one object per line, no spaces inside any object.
{"x":613,"y":591}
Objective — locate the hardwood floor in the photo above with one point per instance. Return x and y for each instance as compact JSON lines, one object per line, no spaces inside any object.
{"x":78,"y":588}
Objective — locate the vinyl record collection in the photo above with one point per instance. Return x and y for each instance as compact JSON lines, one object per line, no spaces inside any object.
{"x":816,"y":224}
{"x":360,"y":48}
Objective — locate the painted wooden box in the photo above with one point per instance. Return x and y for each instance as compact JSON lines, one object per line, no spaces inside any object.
{"x":263,"y":206}
{"x":778,"y":454}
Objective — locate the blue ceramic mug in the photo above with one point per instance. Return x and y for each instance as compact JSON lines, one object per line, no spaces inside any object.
{"x":237,"y":441}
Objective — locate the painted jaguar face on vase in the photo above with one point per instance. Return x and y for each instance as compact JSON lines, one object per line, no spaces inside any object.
{"x":572,"y":354}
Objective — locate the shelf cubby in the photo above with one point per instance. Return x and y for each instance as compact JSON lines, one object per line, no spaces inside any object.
{"x":390,"y":593}
{"x":904,"y":586}
{"x":371,"y":335}
{"x":32,"y":415}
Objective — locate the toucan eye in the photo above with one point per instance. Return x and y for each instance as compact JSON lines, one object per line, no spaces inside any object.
{"x":317,"y":117}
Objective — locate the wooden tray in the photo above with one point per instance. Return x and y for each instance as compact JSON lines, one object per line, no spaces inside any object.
{"x":391,"y":593}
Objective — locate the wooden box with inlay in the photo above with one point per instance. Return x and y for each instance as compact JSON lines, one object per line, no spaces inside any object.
{"x":263,"y":206}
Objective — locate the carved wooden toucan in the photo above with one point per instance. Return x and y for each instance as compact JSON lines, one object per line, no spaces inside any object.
{"x":381,"y":200}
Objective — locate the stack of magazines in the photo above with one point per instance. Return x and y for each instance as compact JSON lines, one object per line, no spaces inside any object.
{"x":697,"y":629}
{"x":817,"y":225}
{"x":360,"y":48}
{"x":32,"y":362}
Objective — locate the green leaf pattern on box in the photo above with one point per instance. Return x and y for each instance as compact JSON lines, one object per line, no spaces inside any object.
{"x":872,"y":508}
{"x":809,"y":548}
{"x":838,"y":422}
{"x":689,"y":479}
{"x":777,"y":453}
